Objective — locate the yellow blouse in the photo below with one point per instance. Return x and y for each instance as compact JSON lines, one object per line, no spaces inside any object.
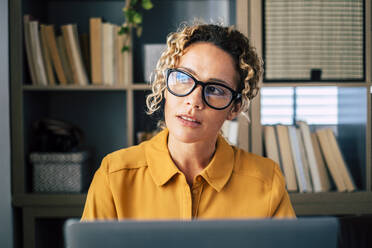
{"x":142,"y":182}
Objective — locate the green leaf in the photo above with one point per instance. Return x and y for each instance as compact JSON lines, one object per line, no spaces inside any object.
{"x":130,"y":15}
{"x":124,"y":48}
{"x":123,"y":30}
{"x":139,"y":31}
{"x":137,"y":18}
{"x":147,"y":4}
{"x":133,"y":2}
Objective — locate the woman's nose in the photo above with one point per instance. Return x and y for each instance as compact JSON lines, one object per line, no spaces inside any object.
{"x":195,"y":98}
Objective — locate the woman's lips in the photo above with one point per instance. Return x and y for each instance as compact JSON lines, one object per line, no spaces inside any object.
{"x":188,"y":121}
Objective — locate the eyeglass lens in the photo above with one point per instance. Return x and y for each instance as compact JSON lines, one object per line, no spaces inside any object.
{"x":214,"y":95}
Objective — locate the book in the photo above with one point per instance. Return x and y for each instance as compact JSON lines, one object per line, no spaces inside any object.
{"x":318,"y":184}
{"x":40,"y":73}
{"x":85,"y":52}
{"x":118,"y":57}
{"x":330,"y":159}
{"x":64,"y":60}
{"x":346,"y":175}
{"x":108,"y":53}
{"x":271,"y":144}
{"x":27,"y":39}
{"x":286,"y":157}
{"x":120,"y":62}
{"x":128,"y":61}
{"x":96,"y":50}
{"x":301,"y":173}
{"x":243,"y":131}
{"x":47,"y":56}
{"x":71,"y":40}
{"x":55,"y":54}
{"x":323,"y":172}
{"x":305,"y":161}
{"x":230,"y":131}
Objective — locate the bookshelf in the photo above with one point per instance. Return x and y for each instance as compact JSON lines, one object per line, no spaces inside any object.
{"x":111,"y":115}
{"x":354,"y":138}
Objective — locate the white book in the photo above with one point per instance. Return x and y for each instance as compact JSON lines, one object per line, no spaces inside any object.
{"x":324,"y":175}
{"x":305,"y":160}
{"x":298,"y":161}
{"x":108,"y":53}
{"x":271,"y":144}
{"x":230,"y":131}
{"x":318,"y":184}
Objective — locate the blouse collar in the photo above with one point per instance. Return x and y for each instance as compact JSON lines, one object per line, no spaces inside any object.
{"x":162,"y":167}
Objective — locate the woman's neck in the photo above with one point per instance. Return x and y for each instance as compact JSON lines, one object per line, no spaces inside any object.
{"x":191,"y":158}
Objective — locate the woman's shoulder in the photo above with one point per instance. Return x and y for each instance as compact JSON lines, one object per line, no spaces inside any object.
{"x":127,"y":158}
{"x":249,"y":164}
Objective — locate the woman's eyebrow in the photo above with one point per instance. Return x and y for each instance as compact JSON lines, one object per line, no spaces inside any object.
{"x":215,"y":80}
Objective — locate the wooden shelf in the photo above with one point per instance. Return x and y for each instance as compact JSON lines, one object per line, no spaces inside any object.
{"x":49,"y":200}
{"x":328,"y":203}
{"x":316,"y":84}
{"x":136,"y":86}
{"x":75,"y":88}
{"x":332,"y":203}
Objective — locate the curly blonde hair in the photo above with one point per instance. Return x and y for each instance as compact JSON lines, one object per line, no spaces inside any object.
{"x":247,"y":62}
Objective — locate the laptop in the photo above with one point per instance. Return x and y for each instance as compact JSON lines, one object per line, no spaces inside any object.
{"x":258,"y":233}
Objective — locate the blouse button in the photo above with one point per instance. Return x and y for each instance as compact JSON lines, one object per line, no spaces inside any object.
{"x":195,"y":191}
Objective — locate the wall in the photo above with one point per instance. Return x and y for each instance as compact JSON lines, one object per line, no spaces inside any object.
{"x":6,"y":227}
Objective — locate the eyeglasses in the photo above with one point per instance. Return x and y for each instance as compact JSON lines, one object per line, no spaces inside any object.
{"x":215,"y":95}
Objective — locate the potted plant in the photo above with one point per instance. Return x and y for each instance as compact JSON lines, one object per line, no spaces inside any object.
{"x":133,"y":19}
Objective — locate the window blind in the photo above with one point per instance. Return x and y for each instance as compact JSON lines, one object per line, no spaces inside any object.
{"x":303,"y":35}
{"x":285,"y":105}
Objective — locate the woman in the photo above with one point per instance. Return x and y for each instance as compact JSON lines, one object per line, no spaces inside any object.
{"x":208,"y":74}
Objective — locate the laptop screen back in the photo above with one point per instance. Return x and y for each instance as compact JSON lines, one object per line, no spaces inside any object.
{"x":257,"y":233}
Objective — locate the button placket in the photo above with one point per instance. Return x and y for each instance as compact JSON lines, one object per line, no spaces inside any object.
{"x":196,"y":195}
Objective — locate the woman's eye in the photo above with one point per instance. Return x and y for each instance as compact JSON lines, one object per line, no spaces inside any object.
{"x":213,"y":90}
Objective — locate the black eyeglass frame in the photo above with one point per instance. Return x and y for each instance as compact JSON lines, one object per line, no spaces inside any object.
{"x":235,"y":95}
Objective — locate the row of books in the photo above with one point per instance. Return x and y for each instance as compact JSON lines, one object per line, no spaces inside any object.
{"x":310,"y":162}
{"x":70,"y":58}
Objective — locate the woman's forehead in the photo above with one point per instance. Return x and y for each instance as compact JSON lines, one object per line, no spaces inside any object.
{"x":207,"y":61}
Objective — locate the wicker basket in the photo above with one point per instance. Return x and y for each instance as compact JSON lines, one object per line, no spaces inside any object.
{"x":59,"y":172}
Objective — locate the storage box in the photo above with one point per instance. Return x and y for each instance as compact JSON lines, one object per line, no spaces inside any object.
{"x":60,"y":172}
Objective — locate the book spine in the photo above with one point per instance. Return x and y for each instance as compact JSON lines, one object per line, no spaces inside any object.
{"x":310,"y":155}
{"x":67,"y":42}
{"x":55,"y":55}
{"x":330,"y":160}
{"x":96,"y":50}
{"x":47,"y":56}
{"x":346,"y":175}
{"x":36,"y":47}
{"x":64,"y":60}
{"x":299,"y":167}
{"x":286,"y":157}
{"x":77,"y":56}
{"x":30,"y":58}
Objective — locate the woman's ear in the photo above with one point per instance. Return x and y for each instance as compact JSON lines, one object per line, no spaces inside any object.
{"x":234,"y":111}
{"x":165,"y":94}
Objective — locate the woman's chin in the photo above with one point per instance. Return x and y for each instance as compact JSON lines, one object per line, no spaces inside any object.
{"x":187,"y":136}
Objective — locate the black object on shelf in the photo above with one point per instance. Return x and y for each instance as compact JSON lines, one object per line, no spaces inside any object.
{"x":51,"y":135}
{"x":316,"y":74}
